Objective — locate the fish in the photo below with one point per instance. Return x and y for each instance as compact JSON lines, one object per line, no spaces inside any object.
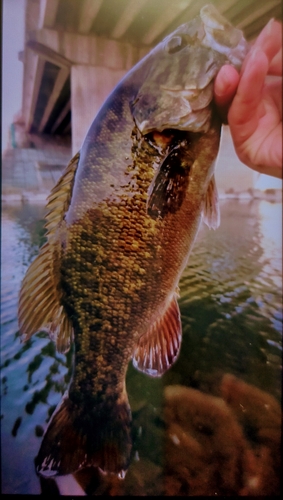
{"x":120,"y":225}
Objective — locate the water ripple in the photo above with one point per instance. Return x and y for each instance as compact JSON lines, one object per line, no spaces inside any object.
{"x":231,"y":308}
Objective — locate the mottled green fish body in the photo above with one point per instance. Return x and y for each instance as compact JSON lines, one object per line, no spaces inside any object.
{"x":121,"y":223}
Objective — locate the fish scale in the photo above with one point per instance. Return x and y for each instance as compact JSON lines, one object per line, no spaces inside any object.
{"x":121,"y":223}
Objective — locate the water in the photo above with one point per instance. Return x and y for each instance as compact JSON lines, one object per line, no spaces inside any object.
{"x":231,"y":307}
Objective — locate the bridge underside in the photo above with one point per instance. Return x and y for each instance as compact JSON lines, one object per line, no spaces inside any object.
{"x":76,"y":52}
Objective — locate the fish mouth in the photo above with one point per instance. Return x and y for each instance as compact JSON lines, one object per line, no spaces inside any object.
{"x":196,"y":97}
{"x":185,"y":109}
{"x":198,"y":121}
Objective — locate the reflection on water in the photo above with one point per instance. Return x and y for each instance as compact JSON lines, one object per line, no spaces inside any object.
{"x":231,"y":307}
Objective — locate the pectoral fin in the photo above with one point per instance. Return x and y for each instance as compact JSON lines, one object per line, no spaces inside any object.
{"x":159,"y":347}
{"x":211,"y":212}
{"x":40,"y":299}
{"x":168,"y":189}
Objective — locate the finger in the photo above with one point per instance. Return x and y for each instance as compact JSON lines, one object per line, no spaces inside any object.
{"x":275,"y":67}
{"x":274,"y":88}
{"x":275,"y":171}
{"x":270,"y":39}
{"x":225,"y":87}
{"x":245,"y":110}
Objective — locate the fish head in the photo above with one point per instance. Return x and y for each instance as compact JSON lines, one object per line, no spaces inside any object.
{"x":178,"y":87}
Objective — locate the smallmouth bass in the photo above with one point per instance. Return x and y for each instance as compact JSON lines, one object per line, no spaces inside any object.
{"x":121,"y":223}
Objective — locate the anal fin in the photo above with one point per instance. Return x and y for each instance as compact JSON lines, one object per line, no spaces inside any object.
{"x":158,"y":349}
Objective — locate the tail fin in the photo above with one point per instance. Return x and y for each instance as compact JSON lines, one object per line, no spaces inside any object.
{"x":76,"y":438}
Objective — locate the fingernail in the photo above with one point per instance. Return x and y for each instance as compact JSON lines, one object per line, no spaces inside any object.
{"x":254,"y":52}
{"x":268,"y":27}
{"x":223,"y":84}
{"x":221,"y":88}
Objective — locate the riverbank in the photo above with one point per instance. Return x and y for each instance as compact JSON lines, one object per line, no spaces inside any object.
{"x":29,"y":174}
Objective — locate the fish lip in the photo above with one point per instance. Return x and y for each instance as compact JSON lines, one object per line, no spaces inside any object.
{"x":192,"y":89}
{"x":183,"y":125}
{"x":192,"y":117}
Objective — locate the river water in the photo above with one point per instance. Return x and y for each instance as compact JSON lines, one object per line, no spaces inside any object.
{"x":231,"y":308}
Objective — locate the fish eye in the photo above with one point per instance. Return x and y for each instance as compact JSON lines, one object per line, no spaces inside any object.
{"x":175,"y":44}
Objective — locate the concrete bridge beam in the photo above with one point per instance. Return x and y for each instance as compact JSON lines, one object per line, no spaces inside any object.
{"x":61,"y":79}
{"x":88,"y":14}
{"x":89,"y":49}
{"x":47,"y":13}
{"x":94,"y":64}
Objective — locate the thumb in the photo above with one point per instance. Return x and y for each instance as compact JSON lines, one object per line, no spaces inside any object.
{"x":225,"y":87}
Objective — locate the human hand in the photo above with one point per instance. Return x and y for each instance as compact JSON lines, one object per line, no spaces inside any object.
{"x":252,"y":102}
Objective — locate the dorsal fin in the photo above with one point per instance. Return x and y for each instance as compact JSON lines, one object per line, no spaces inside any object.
{"x":59,"y":199}
{"x":157,"y":350}
{"x":211,"y":212}
{"x":40,"y":299}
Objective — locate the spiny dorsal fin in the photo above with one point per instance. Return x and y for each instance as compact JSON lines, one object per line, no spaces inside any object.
{"x":159,"y":347}
{"x":40,"y":300}
{"x":211,"y":212}
{"x":59,"y":199}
